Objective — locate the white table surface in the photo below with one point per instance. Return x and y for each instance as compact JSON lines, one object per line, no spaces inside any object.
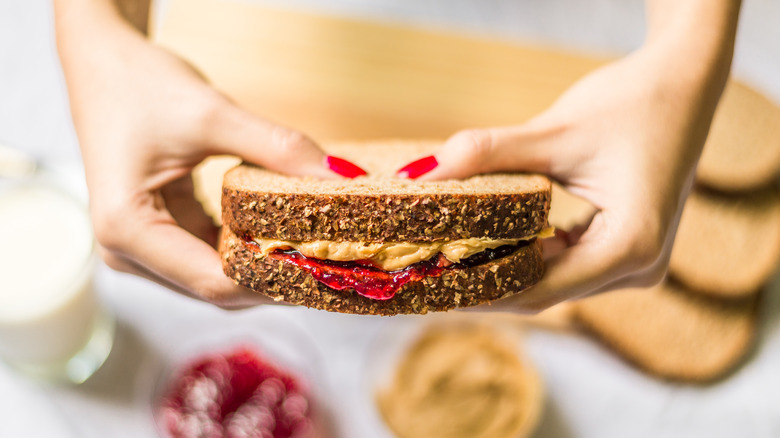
{"x":591,"y":393}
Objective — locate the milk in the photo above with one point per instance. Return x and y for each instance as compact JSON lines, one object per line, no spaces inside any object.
{"x":50,"y":321}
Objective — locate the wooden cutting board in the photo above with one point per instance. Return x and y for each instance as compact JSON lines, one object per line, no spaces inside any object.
{"x":337,"y":78}
{"x":346,"y":79}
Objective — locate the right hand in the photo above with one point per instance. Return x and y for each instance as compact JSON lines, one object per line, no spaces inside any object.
{"x":626,"y":138}
{"x":144,"y":119}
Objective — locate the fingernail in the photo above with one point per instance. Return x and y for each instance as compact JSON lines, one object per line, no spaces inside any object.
{"x":344,"y":167}
{"x":418,"y":168}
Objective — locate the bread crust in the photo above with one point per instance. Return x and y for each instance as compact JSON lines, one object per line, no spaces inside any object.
{"x":458,"y":288}
{"x":384,"y":218}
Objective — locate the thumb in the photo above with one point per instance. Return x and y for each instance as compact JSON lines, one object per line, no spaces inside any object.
{"x":476,"y":151}
{"x":274,"y":147}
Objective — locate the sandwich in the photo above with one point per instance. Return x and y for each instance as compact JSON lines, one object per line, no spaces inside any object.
{"x":383,"y":245}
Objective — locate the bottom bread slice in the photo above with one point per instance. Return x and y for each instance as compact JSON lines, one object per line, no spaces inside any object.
{"x":456,"y":288}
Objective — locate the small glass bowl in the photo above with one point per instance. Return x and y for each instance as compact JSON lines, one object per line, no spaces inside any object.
{"x":393,"y":341}
{"x":276,"y":339}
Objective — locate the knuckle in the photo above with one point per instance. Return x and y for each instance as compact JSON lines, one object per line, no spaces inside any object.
{"x":107,"y":223}
{"x":531,"y":310}
{"x":644,"y":265}
{"x":635,"y":258}
{"x":209,"y":115}
{"x":208,"y":108}
{"x":646,"y":255}
{"x":112,"y":260}
{"x":478,"y":143}
{"x":288,"y":142}
{"x":536,"y":307}
{"x":651,"y":278}
{"x":655,"y":273}
{"x":645,"y":249}
{"x":221,"y":304}
{"x":214,"y":293}
{"x":230,"y":307}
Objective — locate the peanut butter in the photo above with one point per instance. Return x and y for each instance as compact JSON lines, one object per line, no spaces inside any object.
{"x":461,"y":383}
{"x":390,"y":256}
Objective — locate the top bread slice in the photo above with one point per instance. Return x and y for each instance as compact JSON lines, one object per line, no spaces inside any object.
{"x":380,"y":207}
{"x":743,"y":148}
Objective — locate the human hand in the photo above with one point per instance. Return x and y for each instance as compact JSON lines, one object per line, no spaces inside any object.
{"x":144,"y":119}
{"x":626,"y":138}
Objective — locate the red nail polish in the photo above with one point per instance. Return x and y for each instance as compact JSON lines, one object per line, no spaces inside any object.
{"x":344,"y":167}
{"x":418,"y":168}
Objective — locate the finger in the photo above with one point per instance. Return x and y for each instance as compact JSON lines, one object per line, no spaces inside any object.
{"x":237,"y":132}
{"x":119,"y":263}
{"x":556,"y":244}
{"x":524,"y":148}
{"x":157,"y":244}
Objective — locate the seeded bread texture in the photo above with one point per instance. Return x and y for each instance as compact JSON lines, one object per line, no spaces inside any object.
{"x":671,"y":332}
{"x":380,"y":207}
{"x":727,"y":246}
{"x":458,"y":288}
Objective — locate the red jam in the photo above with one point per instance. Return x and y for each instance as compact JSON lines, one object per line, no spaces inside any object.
{"x":234,"y":395}
{"x":365,"y":279}
{"x":372,"y":282}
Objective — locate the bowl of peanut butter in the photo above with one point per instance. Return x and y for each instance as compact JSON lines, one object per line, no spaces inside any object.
{"x":454,"y":377}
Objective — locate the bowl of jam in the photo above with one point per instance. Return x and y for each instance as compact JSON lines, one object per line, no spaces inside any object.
{"x":241,"y":383}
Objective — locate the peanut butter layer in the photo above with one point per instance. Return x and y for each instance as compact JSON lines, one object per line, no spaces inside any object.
{"x":390,"y":256}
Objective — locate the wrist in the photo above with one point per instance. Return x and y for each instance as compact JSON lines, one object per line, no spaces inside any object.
{"x":92,"y":34}
{"x":693,"y":41}
{"x":690,"y":75}
{"x":78,"y":13}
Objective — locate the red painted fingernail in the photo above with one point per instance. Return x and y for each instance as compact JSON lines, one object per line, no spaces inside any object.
{"x":344,"y":167}
{"x":418,"y":168}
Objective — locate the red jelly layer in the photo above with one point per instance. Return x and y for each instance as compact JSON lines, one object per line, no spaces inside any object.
{"x":234,"y":395}
{"x":366,"y":280}
{"x":372,"y":282}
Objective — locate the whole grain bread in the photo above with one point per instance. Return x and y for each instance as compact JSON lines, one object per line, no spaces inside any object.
{"x":671,"y":332}
{"x":727,"y":246}
{"x":380,"y":207}
{"x":743,"y":148}
{"x":458,"y":288}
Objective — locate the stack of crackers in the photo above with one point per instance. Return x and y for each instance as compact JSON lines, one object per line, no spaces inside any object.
{"x":699,"y":324}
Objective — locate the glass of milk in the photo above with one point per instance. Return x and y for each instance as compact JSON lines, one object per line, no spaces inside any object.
{"x":52,"y":326}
